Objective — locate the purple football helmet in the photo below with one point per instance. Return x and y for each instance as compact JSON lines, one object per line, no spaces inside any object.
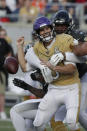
{"x":42,"y":22}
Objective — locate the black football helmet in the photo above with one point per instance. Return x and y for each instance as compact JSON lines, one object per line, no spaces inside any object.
{"x":61,"y":22}
{"x":62,"y":17}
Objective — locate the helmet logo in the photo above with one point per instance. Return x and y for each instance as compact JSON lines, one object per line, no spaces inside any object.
{"x":43,"y":25}
{"x":60,"y":21}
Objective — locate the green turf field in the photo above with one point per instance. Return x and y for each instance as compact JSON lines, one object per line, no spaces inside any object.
{"x":7,"y":125}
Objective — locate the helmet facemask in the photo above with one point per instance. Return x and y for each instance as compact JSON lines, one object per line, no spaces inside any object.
{"x":60,"y":28}
{"x":46,"y":37}
{"x":43,"y":34}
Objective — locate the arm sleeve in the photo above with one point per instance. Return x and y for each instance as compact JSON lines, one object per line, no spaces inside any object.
{"x":66,"y":63}
{"x":75,"y":42}
{"x":73,"y":58}
{"x":32,"y":59}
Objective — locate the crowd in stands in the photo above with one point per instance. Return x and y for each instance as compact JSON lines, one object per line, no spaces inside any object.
{"x":28,"y":10}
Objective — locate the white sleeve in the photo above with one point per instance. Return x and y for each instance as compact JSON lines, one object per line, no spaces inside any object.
{"x":73,"y":58}
{"x":66,"y":63}
{"x":32,"y":59}
{"x":28,"y":67}
{"x":75,"y":42}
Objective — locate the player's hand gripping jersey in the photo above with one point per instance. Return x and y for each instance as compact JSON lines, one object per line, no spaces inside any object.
{"x":56,"y":58}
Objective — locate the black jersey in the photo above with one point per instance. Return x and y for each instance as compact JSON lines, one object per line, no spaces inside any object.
{"x":80,"y":36}
{"x":76,"y":33}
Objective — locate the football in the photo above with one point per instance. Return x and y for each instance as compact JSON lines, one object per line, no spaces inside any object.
{"x":11,"y":65}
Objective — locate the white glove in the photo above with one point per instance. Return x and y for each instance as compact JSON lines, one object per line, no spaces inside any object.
{"x":56,"y":58}
{"x":46,"y":72}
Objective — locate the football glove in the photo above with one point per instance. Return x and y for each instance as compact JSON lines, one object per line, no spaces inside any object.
{"x":21,"y":84}
{"x":56,"y":58}
{"x":46,"y":72}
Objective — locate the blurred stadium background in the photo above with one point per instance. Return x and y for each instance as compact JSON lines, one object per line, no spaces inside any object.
{"x":20,"y":24}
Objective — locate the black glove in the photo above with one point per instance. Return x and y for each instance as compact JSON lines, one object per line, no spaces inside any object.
{"x":20,"y":83}
{"x":25,"y":86}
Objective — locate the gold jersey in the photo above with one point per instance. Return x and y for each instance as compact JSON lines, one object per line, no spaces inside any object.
{"x":62,"y":43}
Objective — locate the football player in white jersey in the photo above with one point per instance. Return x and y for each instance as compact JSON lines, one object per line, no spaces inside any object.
{"x":27,"y":109}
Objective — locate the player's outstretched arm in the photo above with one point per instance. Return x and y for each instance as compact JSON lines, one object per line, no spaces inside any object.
{"x":68,"y":68}
{"x":20,"y":83}
{"x":71,"y":57}
{"x":21,"y":55}
{"x":32,"y":58}
{"x":67,"y":56}
{"x":80,"y":50}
